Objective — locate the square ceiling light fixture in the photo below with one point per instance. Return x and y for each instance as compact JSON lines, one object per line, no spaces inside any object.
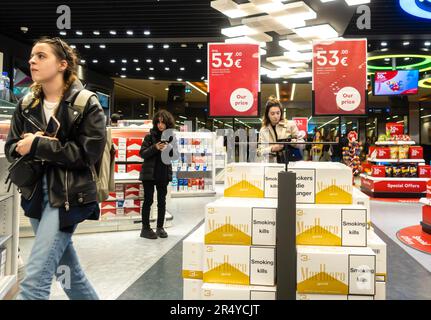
{"x":357,"y":2}
{"x":234,"y":10}
{"x":295,"y":45}
{"x":296,"y":56}
{"x":322,"y":32}
{"x":285,"y":62}
{"x":238,"y":31}
{"x":268,"y":6}
{"x":296,"y":11}
{"x":245,"y":39}
{"x":264,"y":23}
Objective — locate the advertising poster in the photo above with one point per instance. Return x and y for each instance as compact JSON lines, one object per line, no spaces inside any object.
{"x":233,"y":80}
{"x":340,"y":77}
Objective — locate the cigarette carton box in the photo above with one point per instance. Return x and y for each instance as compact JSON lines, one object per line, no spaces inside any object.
{"x":331,"y":225}
{"x":336,"y":270}
{"x":236,"y":221}
{"x":239,"y":265}
{"x":133,"y":155}
{"x":379,"y":248}
{"x":192,"y":289}
{"x":193,"y":254}
{"x":134,"y":143}
{"x":244,"y":180}
{"x":380,"y":290}
{"x":217,"y":291}
{"x":361,"y":199}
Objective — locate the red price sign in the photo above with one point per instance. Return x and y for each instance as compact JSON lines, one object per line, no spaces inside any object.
{"x":340,"y":77}
{"x":233,"y":80}
{"x":302,"y":124}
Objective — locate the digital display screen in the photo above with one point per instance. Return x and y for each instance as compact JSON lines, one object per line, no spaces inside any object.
{"x":401,"y":82}
{"x":103,"y":99}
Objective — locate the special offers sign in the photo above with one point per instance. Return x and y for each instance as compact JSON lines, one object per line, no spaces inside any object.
{"x":340,"y":77}
{"x":233,"y":80}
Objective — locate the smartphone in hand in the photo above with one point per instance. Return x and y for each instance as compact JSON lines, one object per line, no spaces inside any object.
{"x":52,"y":127}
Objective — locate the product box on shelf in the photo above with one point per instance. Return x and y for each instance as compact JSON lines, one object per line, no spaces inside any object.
{"x":133,"y":169}
{"x":394,"y":129}
{"x":361,"y":199}
{"x":382,"y":153}
{"x":378,"y":171}
{"x":3,"y":257}
{"x":331,"y":225}
{"x":120,"y":168}
{"x":218,"y":291}
{"x":380,"y":295}
{"x":192,"y":289}
{"x":426,"y":214}
{"x":237,"y":221}
{"x":193,"y":254}
{"x":120,"y":143}
{"x":134,"y":143}
{"x":120,"y":155}
{"x":424,"y":171}
{"x":379,"y":248}
{"x":112,"y":196}
{"x":119,"y":191}
{"x":133,"y":156}
{"x":416,"y":152}
{"x":131,"y":191}
{"x":108,"y":209}
{"x":317,"y":182}
{"x":243,"y":265}
{"x":336,"y":270}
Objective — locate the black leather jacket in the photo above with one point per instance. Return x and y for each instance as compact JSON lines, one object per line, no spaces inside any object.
{"x":68,"y":162}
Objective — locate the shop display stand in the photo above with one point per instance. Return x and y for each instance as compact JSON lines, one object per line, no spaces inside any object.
{"x":401,"y":187}
{"x":9,"y":230}
{"x":193,"y":145}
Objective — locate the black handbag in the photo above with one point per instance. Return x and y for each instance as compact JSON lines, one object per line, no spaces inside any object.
{"x":24,"y":172}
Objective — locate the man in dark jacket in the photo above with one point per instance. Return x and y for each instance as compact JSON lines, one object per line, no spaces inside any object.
{"x":157,"y":151}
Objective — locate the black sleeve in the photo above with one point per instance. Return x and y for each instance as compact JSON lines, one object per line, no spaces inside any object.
{"x":148,"y":149}
{"x":85,"y":150}
{"x":14,"y":135}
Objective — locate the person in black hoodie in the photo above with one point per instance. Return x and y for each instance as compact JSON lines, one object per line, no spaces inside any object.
{"x":157,"y":171}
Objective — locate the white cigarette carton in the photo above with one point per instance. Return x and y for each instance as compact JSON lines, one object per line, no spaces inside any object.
{"x":193,"y":254}
{"x":379,"y":248}
{"x":217,"y":291}
{"x":237,"y":221}
{"x":380,"y":290}
{"x":242,"y":265}
{"x":192,"y":289}
{"x":336,"y":270}
{"x":331,"y":225}
{"x":361,"y":199}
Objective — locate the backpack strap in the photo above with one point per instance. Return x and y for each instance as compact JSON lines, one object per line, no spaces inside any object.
{"x":81,"y":99}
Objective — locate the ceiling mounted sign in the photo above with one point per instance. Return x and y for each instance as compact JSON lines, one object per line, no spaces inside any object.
{"x":417,"y":8}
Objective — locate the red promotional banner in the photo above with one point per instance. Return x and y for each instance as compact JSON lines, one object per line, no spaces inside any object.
{"x":340,"y":77}
{"x":302,"y":124}
{"x":394,"y":128}
{"x":415,"y":238}
{"x":233,"y":80}
{"x":395,"y":186}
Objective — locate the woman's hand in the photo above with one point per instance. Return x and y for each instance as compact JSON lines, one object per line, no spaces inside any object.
{"x":23,"y":146}
{"x":277,"y":148}
{"x":161,"y":146}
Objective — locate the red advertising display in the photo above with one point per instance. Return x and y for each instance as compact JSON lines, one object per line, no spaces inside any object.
{"x":233,"y":79}
{"x":394,"y":128}
{"x":302,"y":124}
{"x":378,"y":171}
{"x":424,"y":171}
{"x":416,"y":152}
{"x":396,"y":186}
{"x":340,"y":77}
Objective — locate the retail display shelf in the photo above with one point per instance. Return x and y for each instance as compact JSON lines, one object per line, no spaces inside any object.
{"x":6,"y":284}
{"x":397,"y":160}
{"x":425,"y":201}
{"x":193,"y":170}
{"x":394,"y":143}
{"x":205,"y":193}
{"x":4,"y":197}
{"x":126,"y":177}
{"x":3,"y":239}
{"x":392,"y":178}
{"x":195,"y":151}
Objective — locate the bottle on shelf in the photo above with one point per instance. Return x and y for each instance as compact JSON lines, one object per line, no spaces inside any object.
{"x":5,"y":87}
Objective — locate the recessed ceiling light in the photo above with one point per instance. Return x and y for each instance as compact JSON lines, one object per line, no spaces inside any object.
{"x":148,"y":60}
{"x":82,"y":61}
{"x":174,"y":60}
{"x":79,"y":33}
{"x":198,"y":60}
{"x":182,"y":68}
{"x":96,"y":33}
{"x":112,"y":61}
{"x":406,"y":59}
{"x":147,"y":33}
{"x":102,"y":46}
{"x":387,"y":59}
{"x":284,"y":82}
{"x":123,"y":69}
{"x":167,"y":89}
{"x":179,"y":79}
{"x":385,"y":49}
{"x":135,"y":60}
{"x":130,"y":32}
{"x":87,"y":46}
{"x":151,"y":78}
{"x":138,"y":69}
{"x":112,"y":32}
{"x":124,"y":61}
{"x":425,"y":49}
{"x":123,"y":76}
{"x":63,"y":33}
{"x":406,"y":43}
{"x":150,"y":46}
{"x":73,"y":46}
{"x":384,"y":44}
{"x":183,"y":45}
{"x":95,"y":61}
{"x":203,"y":78}
{"x":427,"y":43}
{"x":151,"y":69}
{"x":167,"y":68}
{"x":161,"y":60}
{"x":165,"y":46}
